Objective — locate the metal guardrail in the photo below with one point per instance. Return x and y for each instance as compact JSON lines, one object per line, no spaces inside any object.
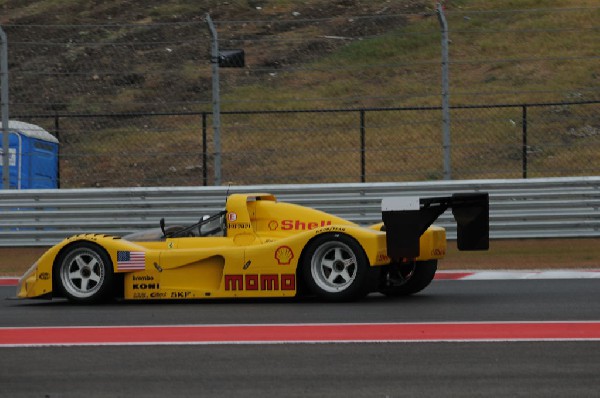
{"x":525,"y":208}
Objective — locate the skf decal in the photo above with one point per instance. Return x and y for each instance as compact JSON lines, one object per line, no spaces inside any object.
{"x":298,"y":225}
{"x":254,"y":282}
{"x":181,"y":294}
{"x":284,"y":255}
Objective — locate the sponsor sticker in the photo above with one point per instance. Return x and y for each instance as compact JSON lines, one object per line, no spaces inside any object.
{"x":284,"y":255}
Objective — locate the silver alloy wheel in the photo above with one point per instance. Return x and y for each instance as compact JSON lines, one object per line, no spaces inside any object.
{"x":333,"y":266}
{"x":82,"y":273}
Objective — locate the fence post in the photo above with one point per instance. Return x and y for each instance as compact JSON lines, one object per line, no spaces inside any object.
{"x":4,"y":106}
{"x":362,"y":147}
{"x":445,"y":94}
{"x":57,"y":135}
{"x":524,"y":119}
{"x":204,"y":161}
{"x":216,"y":100}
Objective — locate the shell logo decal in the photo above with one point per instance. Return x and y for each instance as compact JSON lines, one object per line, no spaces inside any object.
{"x":284,"y":255}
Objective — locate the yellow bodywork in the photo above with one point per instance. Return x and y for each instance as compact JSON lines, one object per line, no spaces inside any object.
{"x":258,"y":257}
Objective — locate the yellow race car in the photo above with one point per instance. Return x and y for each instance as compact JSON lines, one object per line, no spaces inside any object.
{"x":259,"y":247}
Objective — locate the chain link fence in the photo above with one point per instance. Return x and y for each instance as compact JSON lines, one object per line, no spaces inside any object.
{"x":319,"y":146}
{"x":328,"y":93}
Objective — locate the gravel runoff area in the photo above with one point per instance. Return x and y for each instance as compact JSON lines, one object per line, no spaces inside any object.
{"x":503,"y":254}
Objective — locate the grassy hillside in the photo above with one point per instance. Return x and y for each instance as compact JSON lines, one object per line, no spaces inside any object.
{"x":306,"y":54}
{"x":500,"y":54}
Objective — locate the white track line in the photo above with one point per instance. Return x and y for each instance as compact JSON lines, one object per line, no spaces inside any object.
{"x":513,"y":274}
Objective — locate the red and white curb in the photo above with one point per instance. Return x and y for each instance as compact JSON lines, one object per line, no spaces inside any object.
{"x":300,"y":333}
{"x":8,"y":281}
{"x":513,"y":274}
{"x":470,"y":275}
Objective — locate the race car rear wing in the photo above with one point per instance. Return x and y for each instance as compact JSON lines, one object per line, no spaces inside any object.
{"x":406,"y":219}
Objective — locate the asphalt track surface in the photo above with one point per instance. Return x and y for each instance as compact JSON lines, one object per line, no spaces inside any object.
{"x":533,"y":366}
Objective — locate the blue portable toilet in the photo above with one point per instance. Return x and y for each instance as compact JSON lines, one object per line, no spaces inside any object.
{"x":33,"y":156}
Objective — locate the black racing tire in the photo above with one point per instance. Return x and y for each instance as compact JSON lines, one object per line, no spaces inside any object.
{"x":83,"y":273}
{"x":336,"y":268}
{"x":410,"y":280}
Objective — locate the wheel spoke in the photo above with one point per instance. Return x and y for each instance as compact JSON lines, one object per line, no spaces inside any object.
{"x":93,"y":263}
{"x":345,"y":275}
{"x":75,"y":275}
{"x":95,"y":277}
{"x":328,"y":264}
{"x":332,"y":276}
{"x":349,"y":262}
{"x":84,"y":284}
{"x":80,"y":262}
{"x":338,"y":254}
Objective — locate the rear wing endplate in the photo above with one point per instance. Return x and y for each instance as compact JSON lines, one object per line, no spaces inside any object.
{"x":406,"y":219}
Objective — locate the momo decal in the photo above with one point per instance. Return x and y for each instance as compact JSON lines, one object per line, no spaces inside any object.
{"x":254,"y":282}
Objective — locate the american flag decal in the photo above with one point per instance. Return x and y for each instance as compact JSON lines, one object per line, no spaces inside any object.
{"x":131,"y":261}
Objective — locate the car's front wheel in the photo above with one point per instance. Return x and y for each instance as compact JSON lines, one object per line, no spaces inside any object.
{"x":336,"y":268}
{"x":84,"y":273}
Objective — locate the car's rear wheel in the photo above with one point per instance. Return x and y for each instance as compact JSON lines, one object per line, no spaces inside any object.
{"x":84,"y":273}
{"x":409,"y":278}
{"x":336,"y":268}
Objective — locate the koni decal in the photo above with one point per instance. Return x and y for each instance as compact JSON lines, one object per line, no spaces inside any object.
{"x":146,"y":286}
{"x":263,"y":282}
